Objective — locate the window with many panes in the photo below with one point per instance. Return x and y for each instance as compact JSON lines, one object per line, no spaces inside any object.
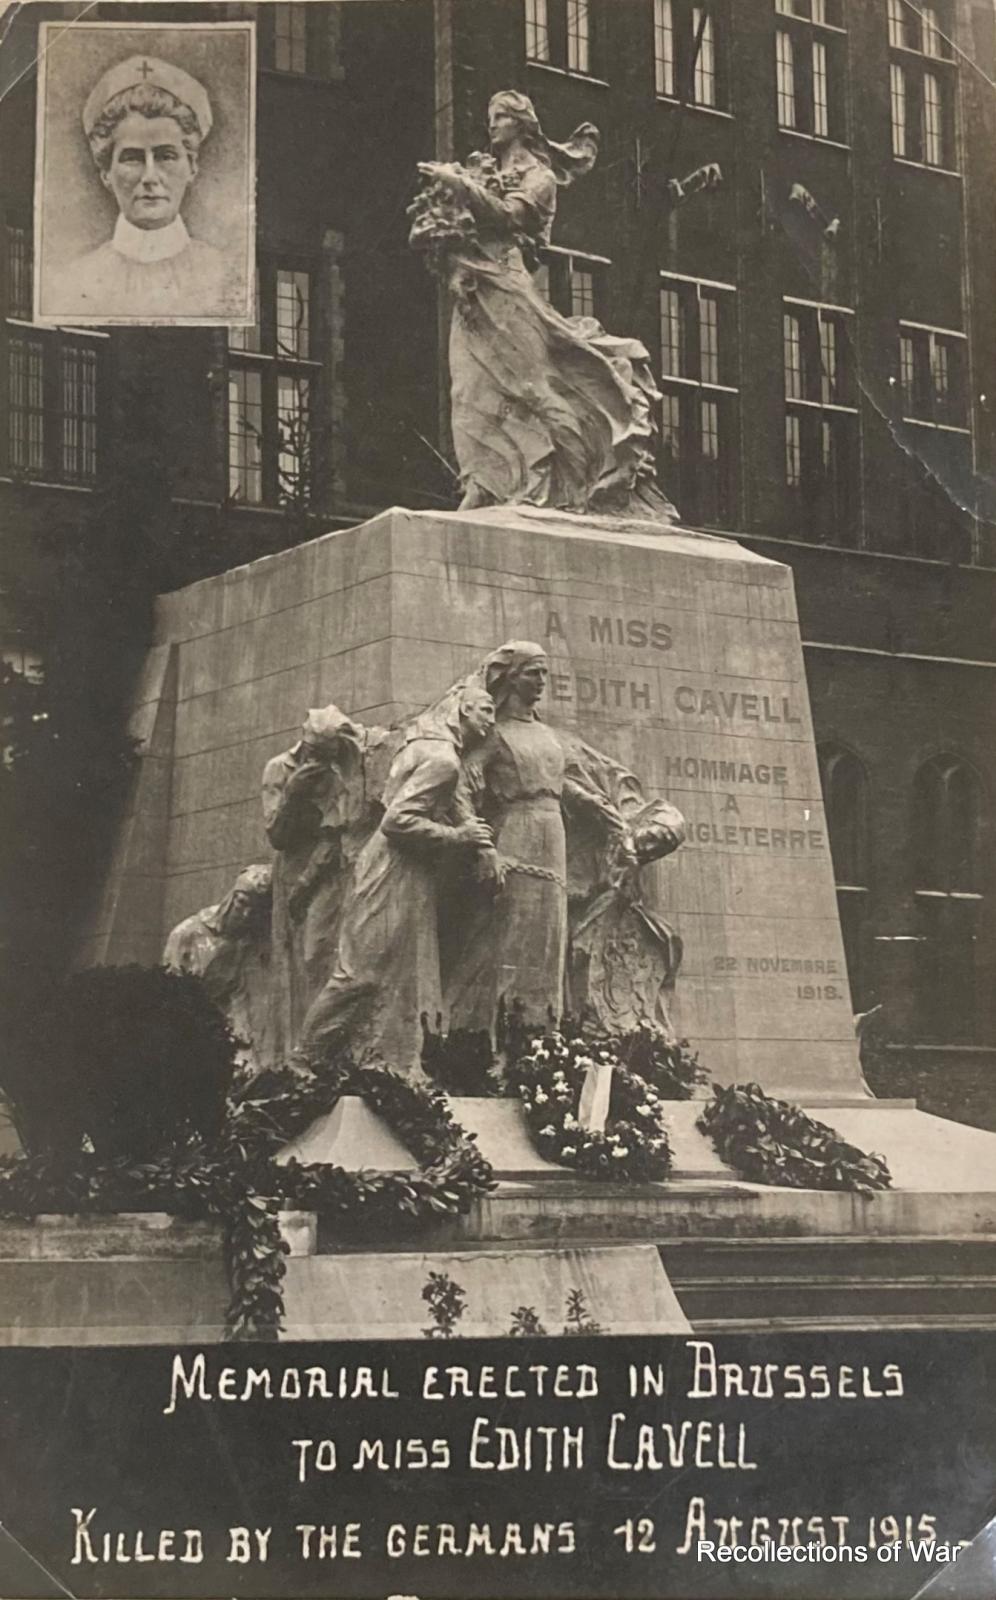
{"x":665,"y":61}
{"x":560,"y":33}
{"x":845,"y":800}
{"x":922,"y":84}
{"x":810,"y":63}
{"x":573,"y":282}
{"x":537,"y":30}
{"x":301,"y":38}
{"x":820,"y":420}
{"x":698,"y":379}
{"x":950,"y":874}
{"x":48,"y":381}
{"x":932,"y":376}
{"x":689,"y":44}
{"x":274,"y":369}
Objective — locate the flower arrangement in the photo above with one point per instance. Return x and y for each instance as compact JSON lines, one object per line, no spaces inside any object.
{"x":668,"y":1064}
{"x":441,"y":220}
{"x":548,"y":1075}
{"x":771,"y":1141}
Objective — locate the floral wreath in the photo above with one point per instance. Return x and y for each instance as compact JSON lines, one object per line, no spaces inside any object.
{"x":548,"y":1076}
{"x":235,"y":1181}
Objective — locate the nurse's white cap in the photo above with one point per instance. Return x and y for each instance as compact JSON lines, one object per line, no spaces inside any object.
{"x":131,"y":74}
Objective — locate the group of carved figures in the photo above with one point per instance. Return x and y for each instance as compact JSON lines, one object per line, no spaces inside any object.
{"x":475,"y":857}
{"x":472,"y":858}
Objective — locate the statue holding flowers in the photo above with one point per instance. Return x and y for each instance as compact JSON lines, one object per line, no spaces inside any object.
{"x":546,"y":410}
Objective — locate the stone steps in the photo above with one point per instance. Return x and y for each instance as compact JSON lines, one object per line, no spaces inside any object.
{"x":717,"y":1209}
{"x":843,"y":1324}
{"x":926,"y":1260}
{"x":736,"y":1285}
{"x":151,"y":1279}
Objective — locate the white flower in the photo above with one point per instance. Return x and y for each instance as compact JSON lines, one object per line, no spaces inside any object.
{"x":644,"y":1111}
{"x":549,"y":1131}
{"x":541,"y":1097}
{"x":569,"y":1150}
{"x":570,"y":1121}
{"x":620,"y":1152}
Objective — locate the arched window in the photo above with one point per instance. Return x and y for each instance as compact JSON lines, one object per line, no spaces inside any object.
{"x":948,"y":887}
{"x":845,"y":799}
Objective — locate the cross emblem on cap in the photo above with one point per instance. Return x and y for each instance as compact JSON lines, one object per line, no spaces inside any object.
{"x":148,"y":70}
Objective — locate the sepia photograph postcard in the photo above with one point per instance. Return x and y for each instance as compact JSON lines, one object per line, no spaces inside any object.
{"x":497,"y":900}
{"x":145,"y":177}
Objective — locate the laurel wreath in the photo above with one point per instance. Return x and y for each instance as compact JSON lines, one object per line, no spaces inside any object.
{"x":235,"y":1181}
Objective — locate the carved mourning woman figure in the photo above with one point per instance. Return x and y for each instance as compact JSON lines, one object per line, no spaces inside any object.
{"x":227,"y":946}
{"x":546,"y":410}
{"x":387,"y":970}
{"x":321,"y":802}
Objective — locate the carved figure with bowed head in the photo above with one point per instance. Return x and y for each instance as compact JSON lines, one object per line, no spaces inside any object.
{"x":387,"y":972}
{"x":227,"y":946}
{"x":321,"y":802}
{"x":145,"y":122}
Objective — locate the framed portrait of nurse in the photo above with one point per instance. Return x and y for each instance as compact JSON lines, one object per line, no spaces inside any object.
{"x":145,"y":173}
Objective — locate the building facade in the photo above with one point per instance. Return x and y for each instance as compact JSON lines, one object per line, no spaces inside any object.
{"x":794,"y":208}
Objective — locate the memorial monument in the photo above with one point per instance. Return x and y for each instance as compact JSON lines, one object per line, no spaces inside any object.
{"x":658,"y":651}
{"x":562,"y":757}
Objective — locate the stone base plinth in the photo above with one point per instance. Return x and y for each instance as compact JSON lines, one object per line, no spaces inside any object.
{"x":376,"y":1296}
{"x":678,"y":653}
{"x":926,"y":1155}
{"x":704,"y":1250}
{"x":149,"y":1279}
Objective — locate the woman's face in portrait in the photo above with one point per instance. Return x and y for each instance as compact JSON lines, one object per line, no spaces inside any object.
{"x":150,"y":170}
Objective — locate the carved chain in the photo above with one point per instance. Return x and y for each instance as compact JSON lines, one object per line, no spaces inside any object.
{"x":530,"y":871}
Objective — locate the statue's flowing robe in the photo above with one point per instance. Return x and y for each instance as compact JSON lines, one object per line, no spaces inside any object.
{"x":568,"y":930}
{"x":546,"y":410}
{"x":624,"y":957}
{"x":387,"y":969}
{"x":514,"y":947}
{"x":317,"y":838}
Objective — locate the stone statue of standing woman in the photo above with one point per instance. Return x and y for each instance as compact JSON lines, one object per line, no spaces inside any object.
{"x":568,"y":928}
{"x":546,"y":410}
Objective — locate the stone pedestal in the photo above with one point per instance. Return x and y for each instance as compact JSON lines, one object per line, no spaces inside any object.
{"x":678,"y":653}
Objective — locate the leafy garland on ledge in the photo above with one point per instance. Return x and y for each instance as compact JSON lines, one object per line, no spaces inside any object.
{"x":235,"y":1181}
{"x":548,"y":1075}
{"x":669,"y":1065}
{"x":771,"y":1141}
